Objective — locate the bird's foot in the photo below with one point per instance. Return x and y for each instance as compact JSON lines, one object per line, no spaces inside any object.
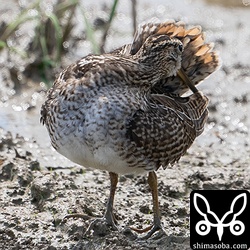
{"x":100,"y":227}
{"x":140,"y":231}
{"x":76,"y":215}
{"x":155,"y":233}
{"x":150,"y":231}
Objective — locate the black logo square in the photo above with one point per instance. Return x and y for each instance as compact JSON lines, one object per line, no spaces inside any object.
{"x":220,"y":219}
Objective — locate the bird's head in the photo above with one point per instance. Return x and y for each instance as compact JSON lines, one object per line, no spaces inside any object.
{"x":161,"y":55}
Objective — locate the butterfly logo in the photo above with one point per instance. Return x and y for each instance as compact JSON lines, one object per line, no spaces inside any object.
{"x":236,"y":227}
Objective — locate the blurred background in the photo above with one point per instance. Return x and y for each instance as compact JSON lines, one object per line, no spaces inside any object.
{"x":39,"y":38}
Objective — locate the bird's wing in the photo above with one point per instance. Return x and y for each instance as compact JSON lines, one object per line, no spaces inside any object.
{"x":167,"y":129}
{"x":192,"y":109}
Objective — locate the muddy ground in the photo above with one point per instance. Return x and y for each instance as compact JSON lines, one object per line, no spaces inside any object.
{"x":38,"y":187}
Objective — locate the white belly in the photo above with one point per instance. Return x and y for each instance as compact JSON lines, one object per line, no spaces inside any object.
{"x":104,"y":158}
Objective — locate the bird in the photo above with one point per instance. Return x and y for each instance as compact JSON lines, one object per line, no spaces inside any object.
{"x":128,"y":112}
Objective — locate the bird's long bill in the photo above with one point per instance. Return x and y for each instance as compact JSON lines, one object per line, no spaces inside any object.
{"x":181,"y":73}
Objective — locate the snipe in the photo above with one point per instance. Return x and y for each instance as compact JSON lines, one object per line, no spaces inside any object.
{"x":123,"y":112}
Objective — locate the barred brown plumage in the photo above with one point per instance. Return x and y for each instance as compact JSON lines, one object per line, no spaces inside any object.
{"x":123,"y":112}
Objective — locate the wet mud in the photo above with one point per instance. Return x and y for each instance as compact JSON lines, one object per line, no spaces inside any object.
{"x":38,"y":187}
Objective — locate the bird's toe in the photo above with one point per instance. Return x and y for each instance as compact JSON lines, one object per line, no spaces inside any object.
{"x":100,"y":227}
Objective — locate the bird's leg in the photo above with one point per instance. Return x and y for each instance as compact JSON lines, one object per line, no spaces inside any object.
{"x":109,"y":210}
{"x":109,"y":216}
{"x":152,"y":181}
{"x":99,"y":225}
{"x":153,"y":184}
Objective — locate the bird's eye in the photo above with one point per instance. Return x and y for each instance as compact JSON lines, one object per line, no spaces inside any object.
{"x":180,"y":47}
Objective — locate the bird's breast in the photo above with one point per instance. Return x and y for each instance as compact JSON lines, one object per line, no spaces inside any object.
{"x":93,"y":132}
